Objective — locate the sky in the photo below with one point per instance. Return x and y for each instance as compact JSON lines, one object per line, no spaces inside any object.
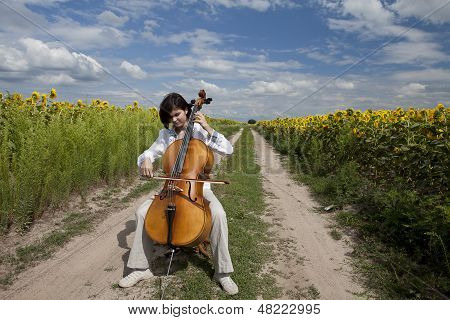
{"x":257,"y":59}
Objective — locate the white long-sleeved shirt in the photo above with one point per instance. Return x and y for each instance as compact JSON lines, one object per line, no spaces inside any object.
{"x":216,"y":141}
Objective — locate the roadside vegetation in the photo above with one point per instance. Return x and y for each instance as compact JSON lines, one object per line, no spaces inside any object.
{"x":385,"y":173}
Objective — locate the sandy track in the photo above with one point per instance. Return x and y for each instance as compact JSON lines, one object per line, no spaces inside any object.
{"x":307,"y":255}
{"x":86,"y":268}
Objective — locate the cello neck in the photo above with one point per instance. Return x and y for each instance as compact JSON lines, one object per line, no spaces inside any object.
{"x":178,"y":167}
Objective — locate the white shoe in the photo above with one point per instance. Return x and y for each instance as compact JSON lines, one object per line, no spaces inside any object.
{"x":227,"y":283}
{"x":134,"y":277}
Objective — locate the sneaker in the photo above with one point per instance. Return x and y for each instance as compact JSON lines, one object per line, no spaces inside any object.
{"x":227,"y":283}
{"x":134,"y":277}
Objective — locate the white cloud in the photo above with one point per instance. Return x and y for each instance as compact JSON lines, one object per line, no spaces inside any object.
{"x":371,"y":19}
{"x":12,"y":59}
{"x":142,"y":7}
{"x":211,"y":89}
{"x":39,"y":54}
{"x":34,"y":57}
{"x":371,"y":12}
{"x":225,"y":65}
{"x":414,"y":53}
{"x":87,"y":68}
{"x":12,"y":24}
{"x":207,"y":58}
{"x":89,"y":37}
{"x":413,"y":88}
{"x":420,"y":8}
{"x":110,"y":18}
{"x":79,"y":66}
{"x":258,"y":5}
{"x":214,"y":64}
{"x":43,"y":3}
{"x":137,"y":8}
{"x":345,"y":85}
{"x":316,"y":55}
{"x":288,"y":87}
{"x":436,"y":74}
{"x":78,"y":35}
{"x":150,"y":25}
{"x":329,"y":55}
{"x":375,"y":19}
{"x":200,"y":37}
{"x":56,"y":79}
{"x":133,"y":70}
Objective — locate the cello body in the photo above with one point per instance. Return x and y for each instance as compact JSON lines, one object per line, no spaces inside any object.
{"x":191,"y":223}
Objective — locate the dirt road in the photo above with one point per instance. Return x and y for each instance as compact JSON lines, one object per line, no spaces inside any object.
{"x":310,"y":263}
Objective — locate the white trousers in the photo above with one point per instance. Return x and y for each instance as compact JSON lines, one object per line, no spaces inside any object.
{"x":141,"y":251}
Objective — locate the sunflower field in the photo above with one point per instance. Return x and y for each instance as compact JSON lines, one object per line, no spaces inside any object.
{"x":50,"y":149}
{"x":392,"y":164}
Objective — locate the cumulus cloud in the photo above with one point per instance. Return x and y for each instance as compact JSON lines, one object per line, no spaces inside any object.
{"x":133,"y":70}
{"x":12,"y":59}
{"x":79,"y":66}
{"x":110,"y":18}
{"x":410,"y":90}
{"x":33,"y":57}
{"x":39,"y":54}
{"x":413,"y":88}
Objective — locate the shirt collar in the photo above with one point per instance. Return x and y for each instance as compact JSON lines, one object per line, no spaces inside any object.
{"x":172,"y":132}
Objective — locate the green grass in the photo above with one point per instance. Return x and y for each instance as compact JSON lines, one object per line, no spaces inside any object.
{"x":335,"y":234}
{"x":249,"y":242}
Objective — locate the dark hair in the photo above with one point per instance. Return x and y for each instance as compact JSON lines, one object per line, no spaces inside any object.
{"x":170,"y":102}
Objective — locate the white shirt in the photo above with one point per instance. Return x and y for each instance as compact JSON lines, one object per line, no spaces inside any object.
{"x":216,"y":141}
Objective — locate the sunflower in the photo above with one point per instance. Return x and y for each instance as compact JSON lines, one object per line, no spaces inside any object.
{"x":53,"y":94}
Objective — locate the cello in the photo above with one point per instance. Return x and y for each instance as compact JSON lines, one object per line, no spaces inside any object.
{"x":179,"y":216}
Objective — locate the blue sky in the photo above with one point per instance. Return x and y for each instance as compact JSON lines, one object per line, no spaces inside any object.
{"x":257,"y":58}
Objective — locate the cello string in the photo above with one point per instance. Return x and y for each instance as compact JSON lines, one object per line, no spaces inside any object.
{"x":177,"y":168}
{"x":182,"y":150}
